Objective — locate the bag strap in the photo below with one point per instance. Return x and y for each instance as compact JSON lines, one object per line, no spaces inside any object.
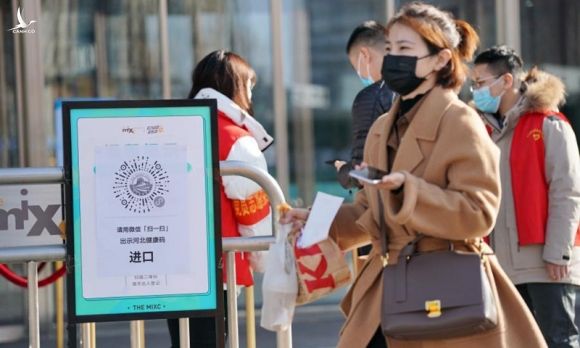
{"x":383,"y":232}
{"x":408,"y":250}
{"x":401,"y":268}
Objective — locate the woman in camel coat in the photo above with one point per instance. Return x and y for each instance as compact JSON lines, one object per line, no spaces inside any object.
{"x":444,"y":181}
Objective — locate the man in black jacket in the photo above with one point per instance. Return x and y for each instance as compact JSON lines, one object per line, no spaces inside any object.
{"x":366,"y":50}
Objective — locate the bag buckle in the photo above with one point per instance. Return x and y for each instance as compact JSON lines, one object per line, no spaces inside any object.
{"x":433,"y":308}
{"x":385,"y":259}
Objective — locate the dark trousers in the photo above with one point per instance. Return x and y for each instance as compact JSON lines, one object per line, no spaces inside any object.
{"x":554,"y":307}
{"x":378,"y":340}
{"x":202,"y":331}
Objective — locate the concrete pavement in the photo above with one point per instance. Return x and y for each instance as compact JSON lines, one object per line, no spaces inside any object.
{"x":315,"y":326}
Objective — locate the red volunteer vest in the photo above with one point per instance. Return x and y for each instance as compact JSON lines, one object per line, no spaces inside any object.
{"x":248,"y":211}
{"x":528,"y":177}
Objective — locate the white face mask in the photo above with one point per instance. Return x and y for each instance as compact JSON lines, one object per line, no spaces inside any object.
{"x":249,"y":89}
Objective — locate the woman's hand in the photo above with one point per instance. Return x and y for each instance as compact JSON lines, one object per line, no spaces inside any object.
{"x":392,"y":181}
{"x":296,"y":216}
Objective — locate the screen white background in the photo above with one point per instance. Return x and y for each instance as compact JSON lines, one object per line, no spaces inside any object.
{"x":179,"y":267}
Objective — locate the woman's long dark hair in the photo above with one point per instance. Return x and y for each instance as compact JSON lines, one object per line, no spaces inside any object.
{"x":227,"y":73}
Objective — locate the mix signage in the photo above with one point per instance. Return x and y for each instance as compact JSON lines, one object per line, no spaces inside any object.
{"x":30,"y":215}
{"x":142,"y":186}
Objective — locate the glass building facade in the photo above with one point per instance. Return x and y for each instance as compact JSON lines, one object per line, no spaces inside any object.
{"x":116,"y":50}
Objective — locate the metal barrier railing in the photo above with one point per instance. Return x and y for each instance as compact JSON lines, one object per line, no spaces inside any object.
{"x":33,"y":254}
{"x":230,"y":245}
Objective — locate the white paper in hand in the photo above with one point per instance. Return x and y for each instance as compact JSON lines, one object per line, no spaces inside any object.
{"x":319,"y":220}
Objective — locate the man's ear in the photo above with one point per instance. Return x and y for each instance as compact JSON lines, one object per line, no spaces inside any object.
{"x":508,"y":80}
{"x":443,"y":57}
{"x":364,"y":52}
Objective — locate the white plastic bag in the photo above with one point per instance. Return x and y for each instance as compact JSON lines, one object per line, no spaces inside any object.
{"x":280,"y":285}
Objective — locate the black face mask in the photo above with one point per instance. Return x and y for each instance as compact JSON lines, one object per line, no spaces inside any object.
{"x":399,"y":73}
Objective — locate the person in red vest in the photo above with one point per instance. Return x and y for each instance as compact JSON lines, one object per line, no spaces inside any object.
{"x":245,"y":208}
{"x":536,"y":237}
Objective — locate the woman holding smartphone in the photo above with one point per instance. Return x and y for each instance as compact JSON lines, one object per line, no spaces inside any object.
{"x":443,"y":182}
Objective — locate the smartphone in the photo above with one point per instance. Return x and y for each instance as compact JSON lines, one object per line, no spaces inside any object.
{"x":369,"y":175}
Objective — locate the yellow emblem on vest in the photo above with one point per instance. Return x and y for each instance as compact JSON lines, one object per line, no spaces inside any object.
{"x":535,"y":134}
{"x":433,"y":308}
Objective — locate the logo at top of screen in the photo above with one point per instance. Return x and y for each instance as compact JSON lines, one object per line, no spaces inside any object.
{"x":23,"y":26}
{"x":155,"y":129}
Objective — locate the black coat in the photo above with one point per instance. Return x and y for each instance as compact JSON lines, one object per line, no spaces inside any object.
{"x":370,"y":103}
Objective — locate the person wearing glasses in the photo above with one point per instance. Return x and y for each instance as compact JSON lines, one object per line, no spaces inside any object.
{"x":443,"y":182}
{"x":537,"y":236}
